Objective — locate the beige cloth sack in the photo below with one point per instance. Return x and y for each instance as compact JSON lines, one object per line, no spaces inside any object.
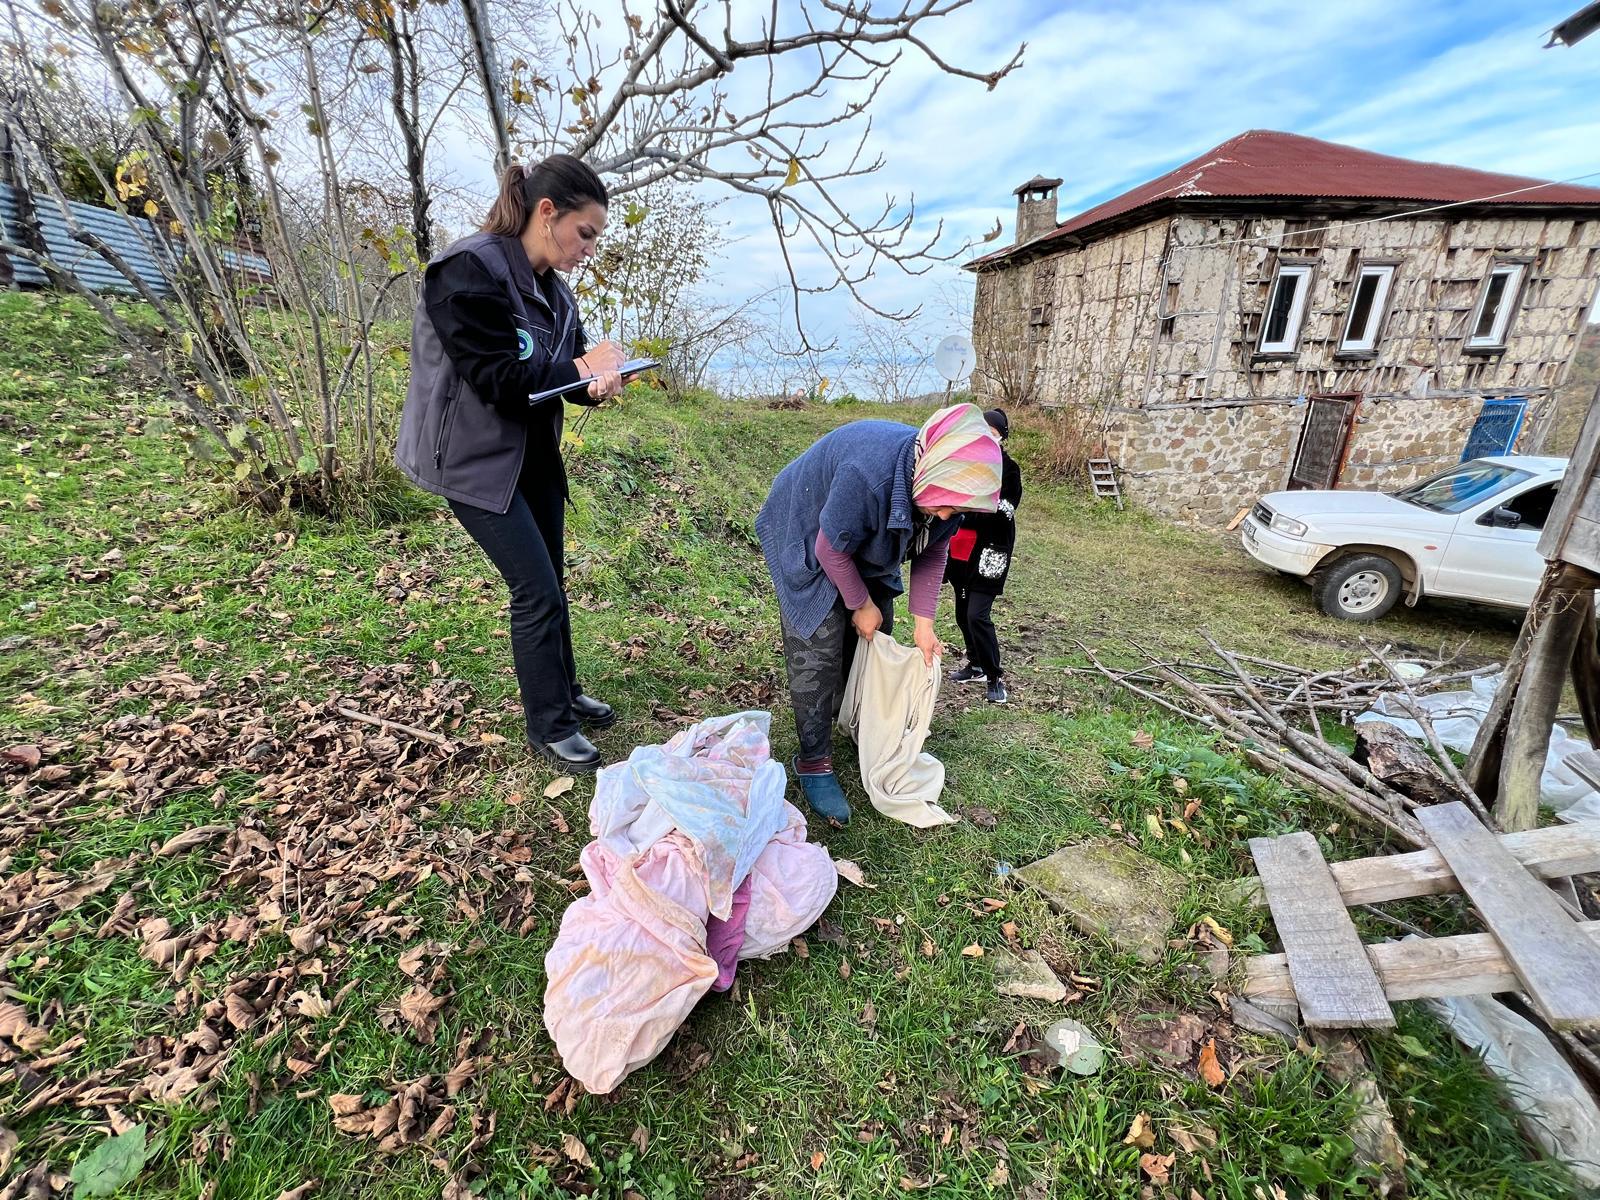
{"x":888,"y":702}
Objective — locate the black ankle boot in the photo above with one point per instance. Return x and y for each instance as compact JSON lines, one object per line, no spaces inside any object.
{"x":596,"y":714}
{"x":572,"y":753}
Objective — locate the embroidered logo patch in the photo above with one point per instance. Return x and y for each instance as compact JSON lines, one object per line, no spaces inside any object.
{"x":525,"y":344}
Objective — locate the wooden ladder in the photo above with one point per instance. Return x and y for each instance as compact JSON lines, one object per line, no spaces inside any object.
{"x":1534,"y":944}
{"x":1103,"y":479}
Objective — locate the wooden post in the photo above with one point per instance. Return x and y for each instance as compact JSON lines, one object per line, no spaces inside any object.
{"x":1586,"y":673}
{"x":1554,"y":623}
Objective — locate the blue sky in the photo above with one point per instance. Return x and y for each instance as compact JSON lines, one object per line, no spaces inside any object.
{"x":1112,"y":94}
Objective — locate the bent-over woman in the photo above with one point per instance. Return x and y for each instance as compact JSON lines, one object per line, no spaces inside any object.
{"x":836,"y":529}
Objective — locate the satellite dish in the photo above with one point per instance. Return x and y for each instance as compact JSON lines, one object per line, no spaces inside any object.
{"x":955,"y":358}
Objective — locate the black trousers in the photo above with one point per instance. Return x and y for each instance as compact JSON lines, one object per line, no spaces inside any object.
{"x":977,"y":629}
{"x":818,"y":667}
{"x":525,"y":544}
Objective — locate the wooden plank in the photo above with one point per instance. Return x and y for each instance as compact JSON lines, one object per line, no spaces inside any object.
{"x":1333,"y":978}
{"x":1560,"y":971}
{"x":1551,"y":853}
{"x":1470,"y":964}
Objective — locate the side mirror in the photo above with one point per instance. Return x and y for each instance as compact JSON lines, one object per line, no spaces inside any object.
{"x":1505,"y":518}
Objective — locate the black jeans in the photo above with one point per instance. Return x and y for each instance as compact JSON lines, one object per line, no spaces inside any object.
{"x":525,"y":543}
{"x":818,"y":667}
{"x":977,"y":629}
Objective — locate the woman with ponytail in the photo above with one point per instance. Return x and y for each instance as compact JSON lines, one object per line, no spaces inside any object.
{"x":496,"y":324}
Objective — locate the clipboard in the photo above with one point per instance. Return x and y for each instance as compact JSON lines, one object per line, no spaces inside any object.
{"x":634,"y":366}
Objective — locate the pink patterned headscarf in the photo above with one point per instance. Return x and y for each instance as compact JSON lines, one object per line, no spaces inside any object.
{"x":958,"y":461}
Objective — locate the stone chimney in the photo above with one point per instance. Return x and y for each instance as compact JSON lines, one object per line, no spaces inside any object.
{"x":1036,"y":208}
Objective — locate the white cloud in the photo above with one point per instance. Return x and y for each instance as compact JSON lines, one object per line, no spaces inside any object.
{"x":1110,"y":96}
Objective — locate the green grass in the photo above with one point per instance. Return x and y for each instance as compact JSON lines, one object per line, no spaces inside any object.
{"x":672,"y":615}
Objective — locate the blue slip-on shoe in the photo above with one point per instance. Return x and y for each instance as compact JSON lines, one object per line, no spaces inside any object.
{"x":824,"y":795}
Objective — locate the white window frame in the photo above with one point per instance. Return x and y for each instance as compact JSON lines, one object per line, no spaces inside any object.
{"x":1297,"y":309}
{"x":1376,"y":314}
{"x":1495,"y":339}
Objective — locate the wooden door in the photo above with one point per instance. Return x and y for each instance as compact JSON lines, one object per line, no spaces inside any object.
{"x":1324,"y":439}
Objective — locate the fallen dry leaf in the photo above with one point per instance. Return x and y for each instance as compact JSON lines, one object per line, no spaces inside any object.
{"x":817,"y":1159}
{"x":1157,"y":1166}
{"x":928,"y":948}
{"x":972,"y":951}
{"x":8,"y":1149}
{"x":1143,"y":739}
{"x":1210,"y":1069}
{"x":307,"y":1188}
{"x":844,"y":968}
{"x":23,"y":1033}
{"x":191,"y":838}
{"x":25,"y":754}
{"x":420,"y":1008}
{"x":559,"y":787}
{"x":1009,"y":930}
{"x":800,"y":948}
{"x":572,"y":1146}
{"x":850,"y":871}
{"x":1153,"y":824}
{"x":311,"y":1003}
{"x":1140,"y":1133}
{"x":640,"y":1139}
{"x":1221,"y":933}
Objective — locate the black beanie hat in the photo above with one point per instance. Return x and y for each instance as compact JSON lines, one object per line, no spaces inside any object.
{"x":999,"y":422}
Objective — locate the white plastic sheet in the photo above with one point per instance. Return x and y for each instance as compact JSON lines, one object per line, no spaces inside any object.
{"x":1456,"y":717}
{"x":1553,"y":1106}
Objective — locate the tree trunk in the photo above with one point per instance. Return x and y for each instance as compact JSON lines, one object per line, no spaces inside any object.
{"x":1555,"y":622}
{"x":403,"y":68}
{"x":483,"y":56}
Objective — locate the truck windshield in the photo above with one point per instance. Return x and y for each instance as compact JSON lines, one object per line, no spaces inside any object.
{"x":1461,"y":487}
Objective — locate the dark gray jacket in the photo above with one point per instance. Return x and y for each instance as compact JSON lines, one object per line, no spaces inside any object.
{"x":507,"y":337}
{"x":854,"y":484}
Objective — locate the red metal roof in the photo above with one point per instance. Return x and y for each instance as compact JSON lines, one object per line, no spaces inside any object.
{"x":1262,"y":163}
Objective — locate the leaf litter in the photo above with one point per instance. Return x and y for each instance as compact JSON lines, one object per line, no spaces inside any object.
{"x":321,"y":829}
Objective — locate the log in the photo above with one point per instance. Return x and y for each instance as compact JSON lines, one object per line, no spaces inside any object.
{"x":1396,"y":759}
{"x":1377,"y":1141}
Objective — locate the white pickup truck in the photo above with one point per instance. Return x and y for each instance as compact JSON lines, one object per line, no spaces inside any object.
{"x":1469,"y":533}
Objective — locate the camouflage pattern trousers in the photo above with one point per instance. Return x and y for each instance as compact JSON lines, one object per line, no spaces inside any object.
{"x":818,"y":667}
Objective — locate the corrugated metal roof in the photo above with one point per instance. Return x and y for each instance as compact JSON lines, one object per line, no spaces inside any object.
{"x":122,"y":234}
{"x":131,"y":237}
{"x":1264,"y":164}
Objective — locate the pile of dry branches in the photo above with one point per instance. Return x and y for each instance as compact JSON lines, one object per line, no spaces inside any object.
{"x":1277,"y":715}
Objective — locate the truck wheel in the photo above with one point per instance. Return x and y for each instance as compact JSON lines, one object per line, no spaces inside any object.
{"x":1360,"y":588}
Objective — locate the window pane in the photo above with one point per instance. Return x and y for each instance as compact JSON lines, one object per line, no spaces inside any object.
{"x":1492,"y":299}
{"x":1361,"y":313}
{"x":1461,"y":487}
{"x":1279,"y":310}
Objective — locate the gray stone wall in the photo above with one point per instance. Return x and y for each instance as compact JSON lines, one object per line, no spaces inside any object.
{"x":1152,"y":333}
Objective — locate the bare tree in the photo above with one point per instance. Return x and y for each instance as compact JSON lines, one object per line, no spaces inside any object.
{"x":892,"y":358}
{"x":287,"y":396}
{"x":652,"y":104}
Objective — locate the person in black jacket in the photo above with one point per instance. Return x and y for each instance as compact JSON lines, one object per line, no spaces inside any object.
{"x":980,"y":560}
{"x":496,"y":324}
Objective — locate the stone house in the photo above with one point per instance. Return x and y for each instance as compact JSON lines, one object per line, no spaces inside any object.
{"x":1286,"y":312}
